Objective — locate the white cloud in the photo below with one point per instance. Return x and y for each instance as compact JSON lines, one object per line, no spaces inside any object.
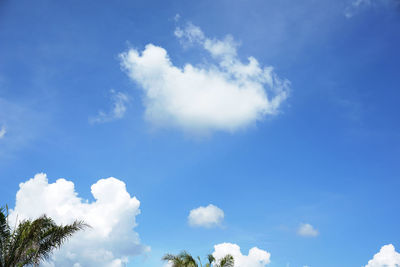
{"x":225,"y":96}
{"x":386,"y":257}
{"x":355,"y":6}
{"x":307,"y":230}
{"x":3,"y":131}
{"x":206,"y":216}
{"x":177,"y":17}
{"x":358,"y":3}
{"x":112,"y":217}
{"x":256,"y":257}
{"x":190,"y":35}
{"x":119,"y":101}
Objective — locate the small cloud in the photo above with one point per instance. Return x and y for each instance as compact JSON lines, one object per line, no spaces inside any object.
{"x":307,"y":230}
{"x":208,"y":217}
{"x":387,"y":256}
{"x":177,"y":17}
{"x":119,"y":101}
{"x":3,"y":131}
{"x":256,"y":257}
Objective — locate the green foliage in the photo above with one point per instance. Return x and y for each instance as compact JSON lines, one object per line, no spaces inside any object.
{"x":226,"y":261}
{"x":184,"y":259}
{"x":32,"y":241}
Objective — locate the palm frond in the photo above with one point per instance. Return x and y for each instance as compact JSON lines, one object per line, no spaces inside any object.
{"x":227,"y":261}
{"x":52,"y":236}
{"x":187,"y":259}
{"x":183,"y":259}
{"x":173,"y":259}
{"x":31,"y":242}
{"x":210,"y":258}
{"x":4,"y":234}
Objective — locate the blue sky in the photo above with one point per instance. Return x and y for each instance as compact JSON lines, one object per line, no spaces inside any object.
{"x":326,"y":156}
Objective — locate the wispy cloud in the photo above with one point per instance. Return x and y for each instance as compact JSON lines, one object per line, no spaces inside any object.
{"x":177,"y":17}
{"x":225,"y":96}
{"x":356,"y":6}
{"x":20,"y":125}
{"x":3,"y":131}
{"x":118,"y":109}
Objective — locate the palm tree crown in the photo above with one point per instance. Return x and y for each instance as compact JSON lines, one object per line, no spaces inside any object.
{"x":32,"y":241}
{"x":184,"y":259}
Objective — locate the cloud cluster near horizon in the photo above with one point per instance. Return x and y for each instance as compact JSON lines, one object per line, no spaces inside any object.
{"x":387,"y":256}
{"x":112,"y":217}
{"x":223,"y":96}
{"x":207,"y":217}
{"x":256,"y":257}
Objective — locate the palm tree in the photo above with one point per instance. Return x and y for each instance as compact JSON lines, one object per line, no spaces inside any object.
{"x":184,"y":259}
{"x":227,"y":261}
{"x":211,"y":259}
{"x":32,"y":241}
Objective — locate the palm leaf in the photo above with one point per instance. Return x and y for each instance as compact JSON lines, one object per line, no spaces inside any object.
{"x":32,"y":241}
{"x":227,"y":261}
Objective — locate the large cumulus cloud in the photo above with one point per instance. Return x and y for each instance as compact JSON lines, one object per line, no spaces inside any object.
{"x":386,"y":257}
{"x":112,"y":217}
{"x":225,"y":96}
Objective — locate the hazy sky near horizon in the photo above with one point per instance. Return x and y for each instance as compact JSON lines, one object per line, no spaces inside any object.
{"x":272,"y":126}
